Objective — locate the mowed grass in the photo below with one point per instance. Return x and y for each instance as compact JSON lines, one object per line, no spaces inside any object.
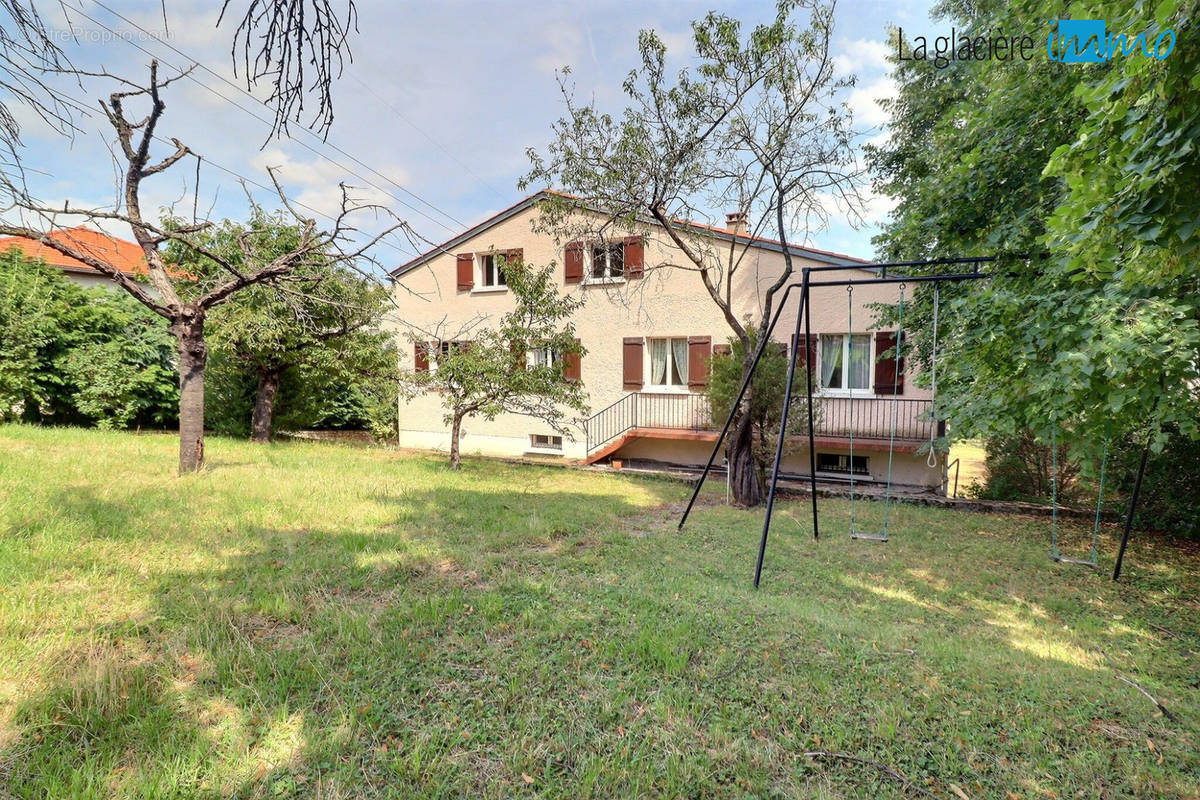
{"x":306,"y":620}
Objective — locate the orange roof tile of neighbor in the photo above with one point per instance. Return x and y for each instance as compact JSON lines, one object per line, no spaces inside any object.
{"x":125,"y":256}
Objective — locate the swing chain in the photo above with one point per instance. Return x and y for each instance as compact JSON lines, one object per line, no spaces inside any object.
{"x":932,"y":460}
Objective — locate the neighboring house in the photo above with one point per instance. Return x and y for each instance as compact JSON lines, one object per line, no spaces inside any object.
{"x":126,"y":256}
{"x":649,"y":331}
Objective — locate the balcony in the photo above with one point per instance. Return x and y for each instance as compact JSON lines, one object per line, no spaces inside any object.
{"x":687,"y":416}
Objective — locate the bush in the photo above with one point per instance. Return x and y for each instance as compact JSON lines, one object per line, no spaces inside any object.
{"x":1018,"y":467}
{"x":71,"y":355}
{"x":1170,"y":498}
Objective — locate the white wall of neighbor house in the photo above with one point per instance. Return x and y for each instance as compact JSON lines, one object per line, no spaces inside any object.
{"x":666,"y":303}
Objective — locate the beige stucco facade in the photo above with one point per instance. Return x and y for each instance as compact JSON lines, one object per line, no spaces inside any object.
{"x":666,"y":302}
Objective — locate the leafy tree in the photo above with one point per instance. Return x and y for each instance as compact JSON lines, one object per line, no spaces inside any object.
{"x":323,"y":320}
{"x":172,"y":293}
{"x":490,"y":374}
{"x":755,"y":126}
{"x":1094,"y":165}
{"x":767,"y":389}
{"x":70,"y":354}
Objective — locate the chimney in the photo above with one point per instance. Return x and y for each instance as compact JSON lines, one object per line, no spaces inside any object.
{"x":735,"y":222}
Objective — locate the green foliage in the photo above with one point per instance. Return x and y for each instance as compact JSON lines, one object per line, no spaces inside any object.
{"x":487,"y":375}
{"x":1019,"y":467}
{"x":767,"y":390}
{"x":1168,"y":501}
{"x":1094,"y":164}
{"x":75,"y":355}
{"x":316,"y":332}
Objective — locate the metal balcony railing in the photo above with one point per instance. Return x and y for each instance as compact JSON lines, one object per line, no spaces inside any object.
{"x":872,"y":417}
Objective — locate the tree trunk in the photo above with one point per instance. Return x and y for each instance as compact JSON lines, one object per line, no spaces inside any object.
{"x":264,"y":405}
{"x":455,"y":429}
{"x":744,"y":481}
{"x":193,"y":356}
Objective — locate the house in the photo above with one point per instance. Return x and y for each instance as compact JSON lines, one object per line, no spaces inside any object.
{"x":126,"y":256}
{"x":649,"y":331}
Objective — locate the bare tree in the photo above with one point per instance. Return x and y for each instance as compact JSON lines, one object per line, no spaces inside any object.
{"x":756,"y":126}
{"x":297,"y":47}
{"x":171,"y":293}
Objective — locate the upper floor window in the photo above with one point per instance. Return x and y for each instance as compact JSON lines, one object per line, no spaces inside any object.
{"x":608,"y":260}
{"x":491,"y":270}
{"x":543,"y":357}
{"x":669,"y":362}
{"x":846,"y":361}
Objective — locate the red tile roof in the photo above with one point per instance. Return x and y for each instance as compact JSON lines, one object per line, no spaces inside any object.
{"x":125,"y":256}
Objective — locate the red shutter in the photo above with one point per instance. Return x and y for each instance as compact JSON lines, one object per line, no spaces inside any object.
{"x":572,"y":366}
{"x":634,"y":257}
{"x":722,"y":350}
{"x":517,"y":254}
{"x":699,"y":352}
{"x":421,"y":356}
{"x":466,"y":271}
{"x":519,"y":354}
{"x":631,"y":363}
{"x":809,"y":353}
{"x":573,"y":262}
{"x":889,"y":375}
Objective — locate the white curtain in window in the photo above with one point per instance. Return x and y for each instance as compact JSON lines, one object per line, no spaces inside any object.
{"x":658,"y":361}
{"x":679,"y":362}
{"x":831,"y":362}
{"x":860,"y":361}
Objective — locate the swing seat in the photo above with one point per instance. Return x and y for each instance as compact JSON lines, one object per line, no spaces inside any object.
{"x":1083,"y":562}
{"x":871,"y":537}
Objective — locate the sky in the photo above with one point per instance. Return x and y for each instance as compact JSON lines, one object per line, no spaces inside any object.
{"x":433,"y":116}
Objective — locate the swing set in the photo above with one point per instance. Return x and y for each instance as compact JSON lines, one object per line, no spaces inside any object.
{"x":803,"y":316}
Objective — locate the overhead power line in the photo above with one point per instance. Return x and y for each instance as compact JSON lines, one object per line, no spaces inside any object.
{"x":260,"y":119}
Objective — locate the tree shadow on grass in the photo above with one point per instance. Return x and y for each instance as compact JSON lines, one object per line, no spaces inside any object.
{"x":470,"y":646}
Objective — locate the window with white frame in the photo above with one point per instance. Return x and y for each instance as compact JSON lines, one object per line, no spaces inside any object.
{"x":542,"y":357}
{"x":846,"y":362}
{"x":542,"y":441}
{"x":669,"y":362}
{"x":491,"y":270}
{"x":608,"y":260}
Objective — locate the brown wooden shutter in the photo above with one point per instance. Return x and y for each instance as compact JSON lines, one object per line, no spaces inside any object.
{"x":722,"y":350}
{"x":635,"y":256}
{"x":421,"y":356}
{"x":889,"y":375}
{"x":520,"y":356}
{"x":631,"y":362}
{"x":514,"y":255}
{"x":699,"y":352}
{"x":573,"y":262}
{"x":809,"y":352}
{"x":466,"y":271}
{"x":572,"y":366}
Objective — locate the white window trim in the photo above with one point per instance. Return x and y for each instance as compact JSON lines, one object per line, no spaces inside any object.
{"x":531,"y":356}
{"x":869,"y":391}
{"x":545,"y":448}
{"x":589,"y":272}
{"x":653,"y":388}
{"x":480,"y":287}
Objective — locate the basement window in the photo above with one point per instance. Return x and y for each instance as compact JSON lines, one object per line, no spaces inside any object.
{"x":542,"y":441}
{"x":841,"y":463}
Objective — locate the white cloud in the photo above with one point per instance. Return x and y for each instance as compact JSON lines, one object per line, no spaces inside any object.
{"x":857,"y":56}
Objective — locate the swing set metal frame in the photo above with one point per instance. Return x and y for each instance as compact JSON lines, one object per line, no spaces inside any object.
{"x":803,"y":317}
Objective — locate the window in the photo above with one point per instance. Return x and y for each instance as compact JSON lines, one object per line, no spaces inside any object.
{"x":608,"y":261}
{"x":491,"y":270}
{"x":542,"y":441}
{"x":839,"y":462}
{"x":543,"y":357}
{"x":846,"y":361}
{"x":669,"y":362}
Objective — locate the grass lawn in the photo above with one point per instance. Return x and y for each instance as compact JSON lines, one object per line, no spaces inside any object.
{"x":316,"y":621}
